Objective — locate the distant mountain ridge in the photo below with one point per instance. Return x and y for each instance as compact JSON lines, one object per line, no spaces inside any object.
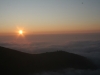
{"x":15,"y":62}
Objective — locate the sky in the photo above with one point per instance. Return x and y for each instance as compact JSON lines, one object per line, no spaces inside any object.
{"x":49,"y":16}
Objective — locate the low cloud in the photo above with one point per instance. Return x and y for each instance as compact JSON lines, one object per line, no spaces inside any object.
{"x":89,"y":49}
{"x":71,"y":72}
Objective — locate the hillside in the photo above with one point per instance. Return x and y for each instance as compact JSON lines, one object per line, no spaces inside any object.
{"x":15,"y":62}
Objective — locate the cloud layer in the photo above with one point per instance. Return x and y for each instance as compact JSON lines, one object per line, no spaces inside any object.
{"x":87,"y":48}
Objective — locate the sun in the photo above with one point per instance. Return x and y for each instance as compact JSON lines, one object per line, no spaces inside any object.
{"x":20,"y":32}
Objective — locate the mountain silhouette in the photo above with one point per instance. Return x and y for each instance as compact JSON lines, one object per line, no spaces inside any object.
{"x":14,"y":62}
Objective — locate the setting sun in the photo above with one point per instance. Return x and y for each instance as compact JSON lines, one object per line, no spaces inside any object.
{"x":20,"y":32}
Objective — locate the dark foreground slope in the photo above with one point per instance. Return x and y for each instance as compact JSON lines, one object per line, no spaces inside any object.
{"x":15,"y":62}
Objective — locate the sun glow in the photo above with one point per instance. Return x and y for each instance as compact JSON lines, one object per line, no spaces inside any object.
{"x":20,"y":32}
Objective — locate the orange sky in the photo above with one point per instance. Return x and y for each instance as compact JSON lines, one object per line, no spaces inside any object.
{"x":54,"y":16}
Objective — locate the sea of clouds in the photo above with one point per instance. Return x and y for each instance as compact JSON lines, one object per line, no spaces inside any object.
{"x":86,"y":48}
{"x":89,"y":49}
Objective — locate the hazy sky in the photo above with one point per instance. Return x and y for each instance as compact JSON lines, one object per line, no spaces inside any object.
{"x":50,"y":15}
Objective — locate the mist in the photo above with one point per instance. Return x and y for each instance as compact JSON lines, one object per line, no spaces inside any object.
{"x":87,"y":46}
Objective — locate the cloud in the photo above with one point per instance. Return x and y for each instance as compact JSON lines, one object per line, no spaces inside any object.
{"x":72,"y":72}
{"x":89,"y":49}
